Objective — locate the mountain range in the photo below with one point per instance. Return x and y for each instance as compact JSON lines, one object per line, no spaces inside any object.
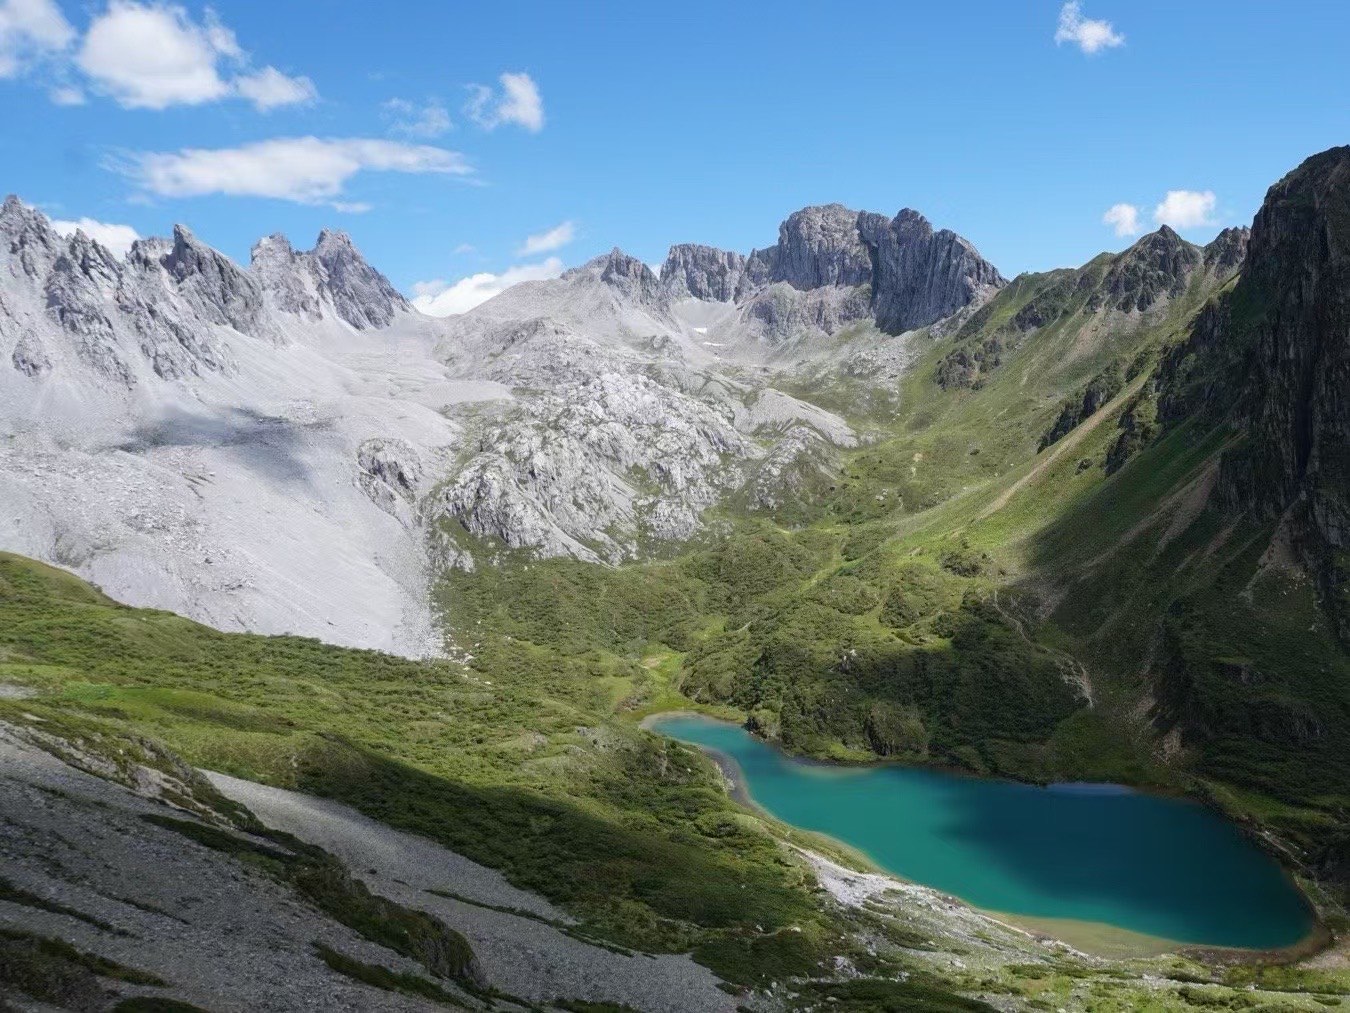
{"x":855,"y":489}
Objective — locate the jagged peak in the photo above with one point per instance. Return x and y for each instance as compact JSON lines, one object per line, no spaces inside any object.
{"x":1229,"y":248}
{"x":1163,"y":241}
{"x":276,"y":244}
{"x":17,"y":216}
{"x":334,"y":240}
{"x":913,"y":225}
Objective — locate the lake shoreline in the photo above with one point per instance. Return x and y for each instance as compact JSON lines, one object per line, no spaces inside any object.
{"x":1092,"y":937}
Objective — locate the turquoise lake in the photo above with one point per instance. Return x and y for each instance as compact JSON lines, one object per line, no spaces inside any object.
{"x":1096,"y":853}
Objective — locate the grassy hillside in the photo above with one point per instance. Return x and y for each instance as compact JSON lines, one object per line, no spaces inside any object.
{"x":545,"y":776}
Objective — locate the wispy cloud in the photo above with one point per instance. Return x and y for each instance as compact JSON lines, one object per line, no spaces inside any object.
{"x":554,"y":239}
{"x":517,"y":102}
{"x":1124,"y":218}
{"x":1186,"y":209}
{"x":442,"y":299}
{"x":308,"y":170}
{"x":1089,"y":35}
{"x":430,"y":119}
{"x":31,"y":30}
{"x":270,"y":88}
{"x":117,"y":238}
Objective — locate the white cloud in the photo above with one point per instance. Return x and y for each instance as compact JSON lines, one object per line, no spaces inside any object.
{"x":1186,"y":209}
{"x":465,"y":248}
{"x":1088,"y":35}
{"x":30,"y":29}
{"x":154,"y":55}
{"x":554,"y":239}
{"x":117,"y":238}
{"x":441,"y":299}
{"x":270,"y":88}
{"x":518,"y":102}
{"x":412,"y":120}
{"x":308,"y":170}
{"x":151,"y":57}
{"x":1124,"y":217}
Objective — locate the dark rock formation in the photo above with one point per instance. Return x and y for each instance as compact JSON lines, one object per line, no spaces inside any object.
{"x":1292,"y":311}
{"x":1272,"y":359}
{"x":627,"y":274}
{"x":218,"y":288}
{"x":1225,"y":254}
{"x":1158,"y":266}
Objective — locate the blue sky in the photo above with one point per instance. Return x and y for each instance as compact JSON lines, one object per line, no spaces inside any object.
{"x":442,"y":136}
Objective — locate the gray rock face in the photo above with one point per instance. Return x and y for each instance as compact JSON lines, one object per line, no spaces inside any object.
{"x":908,"y":274}
{"x":783,"y":311}
{"x":702,"y":272}
{"x":920,"y":276}
{"x":1225,"y":254}
{"x":819,"y":246}
{"x":285,"y":277}
{"x":216,"y":287}
{"x":333,"y":278}
{"x":361,"y":295}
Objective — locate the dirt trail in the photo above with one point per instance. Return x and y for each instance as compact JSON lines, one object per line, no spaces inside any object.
{"x":1075,"y":437}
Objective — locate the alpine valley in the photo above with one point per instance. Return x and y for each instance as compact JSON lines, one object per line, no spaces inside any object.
{"x":334,"y":638}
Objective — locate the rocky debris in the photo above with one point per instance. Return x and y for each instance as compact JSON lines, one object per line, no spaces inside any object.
{"x":594,"y":465}
{"x":235,"y":445}
{"x":702,"y":272}
{"x":779,"y":312}
{"x":391,"y":475}
{"x":215,"y":931}
{"x":529,"y":955}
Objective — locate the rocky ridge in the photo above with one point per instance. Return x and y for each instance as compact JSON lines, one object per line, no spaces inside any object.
{"x":904,"y":274}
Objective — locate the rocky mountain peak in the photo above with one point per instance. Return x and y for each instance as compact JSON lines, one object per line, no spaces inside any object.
{"x":1157,"y":266}
{"x":331,"y":241}
{"x":32,"y":243}
{"x":361,"y":295}
{"x":820,"y":246}
{"x":702,"y":272}
{"x":911,"y":225}
{"x":628,"y":274}
{"x":919,"y":275}
{"x":218,"y":288}
{"x":1226,"y":252}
